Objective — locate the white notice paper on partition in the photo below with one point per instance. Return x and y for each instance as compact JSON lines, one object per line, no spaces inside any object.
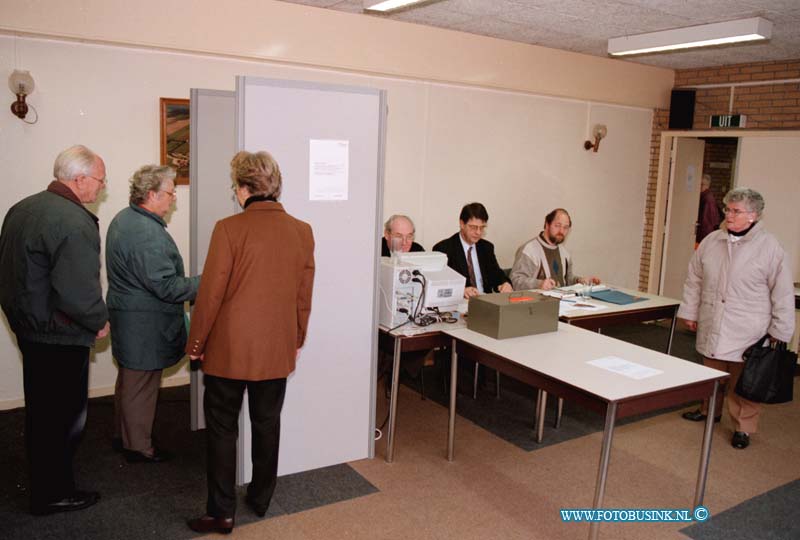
{"x":632,"y":370}
{"x":691,"y":172}
{"x":328,"y":170}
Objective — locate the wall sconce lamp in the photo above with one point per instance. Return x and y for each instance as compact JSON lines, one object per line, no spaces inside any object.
{"x":599,"y":132}
{"x":21,"y":84}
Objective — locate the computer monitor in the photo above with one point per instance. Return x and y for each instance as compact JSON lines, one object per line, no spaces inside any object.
{"x":415,"y":283}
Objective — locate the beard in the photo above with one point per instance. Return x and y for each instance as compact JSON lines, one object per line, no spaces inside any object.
{"x":555,"y":240}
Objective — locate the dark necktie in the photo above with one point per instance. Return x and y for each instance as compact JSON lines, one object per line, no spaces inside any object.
{"x":471,"y":269}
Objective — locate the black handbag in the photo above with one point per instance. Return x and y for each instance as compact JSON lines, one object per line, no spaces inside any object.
{"x":768,"y":374}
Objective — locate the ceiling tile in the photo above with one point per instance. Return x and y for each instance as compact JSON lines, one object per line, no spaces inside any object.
{"x":586,"y":25}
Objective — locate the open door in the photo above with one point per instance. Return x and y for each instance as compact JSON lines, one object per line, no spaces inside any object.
{"x":684,"y":199}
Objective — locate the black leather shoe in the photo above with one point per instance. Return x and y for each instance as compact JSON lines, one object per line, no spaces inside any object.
{"x":116,"y":444}
{"x":740,"y":440}
{"x":207,"y":524}
{"x":697,"y":416}
{"x":158,"y":456}
{"x":254,"y":507}
{"x":77,"y":501}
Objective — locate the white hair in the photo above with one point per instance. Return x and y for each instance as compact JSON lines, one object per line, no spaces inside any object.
{"x":387,"y":227}
{"x":73,"y":162}
{"x":751,"y":198}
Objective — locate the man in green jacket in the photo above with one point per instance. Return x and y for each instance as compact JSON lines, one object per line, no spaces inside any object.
{"x":146,"y":291}
{"x":51,"y":295}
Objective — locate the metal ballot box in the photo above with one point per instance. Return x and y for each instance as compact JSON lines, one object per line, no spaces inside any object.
{"x":507,"y":315}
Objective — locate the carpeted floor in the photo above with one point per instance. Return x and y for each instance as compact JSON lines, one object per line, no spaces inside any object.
{"x":770,"y":516}
{"x":146,"y":500}
{"x":496,"y":488}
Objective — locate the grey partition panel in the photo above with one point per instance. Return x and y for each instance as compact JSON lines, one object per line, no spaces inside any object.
{"x":328,"y":415}
{"x":213,"y":143}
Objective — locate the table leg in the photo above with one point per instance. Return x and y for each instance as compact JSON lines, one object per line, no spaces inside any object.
{"x":559,"y":412}
{"x":398,"y":341}
{"x":705,"y":453}
{"x":602,"y":471}
{"x":451,"y":424}
{"x":672,"y":330}
{"x":538,"y":405}
{"x":475,"y":382}
{"x":540,"y":419}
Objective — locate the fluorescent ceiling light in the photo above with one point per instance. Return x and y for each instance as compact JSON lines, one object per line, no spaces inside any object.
{"x":388,"y":5}
{"x":704,"y":35}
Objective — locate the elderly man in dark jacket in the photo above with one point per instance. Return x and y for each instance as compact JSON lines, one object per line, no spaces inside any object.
{"x":50,"y":292}
{"x":146,"y":291}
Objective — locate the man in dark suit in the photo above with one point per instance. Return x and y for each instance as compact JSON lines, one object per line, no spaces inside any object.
{"x":400,"y":230}
{"x":471,"y":256}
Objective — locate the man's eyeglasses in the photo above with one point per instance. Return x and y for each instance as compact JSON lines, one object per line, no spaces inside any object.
{"x":406,"y":238}
{"x":172,"y":193}
{"x":103,"y":181}
{"x":735,"y":211}
{"x":477,"y":228}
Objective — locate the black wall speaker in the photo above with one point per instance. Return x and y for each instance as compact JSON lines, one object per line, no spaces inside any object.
{"x":681,"y":109}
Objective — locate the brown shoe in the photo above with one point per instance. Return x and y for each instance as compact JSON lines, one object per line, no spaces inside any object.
{"x":207,"y":524}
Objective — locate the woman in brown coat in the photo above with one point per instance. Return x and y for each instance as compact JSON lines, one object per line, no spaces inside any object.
{"x":248,"y":324}
{"x":739,"y":288}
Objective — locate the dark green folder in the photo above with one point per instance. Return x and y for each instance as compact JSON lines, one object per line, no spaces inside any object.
{"x":616,"y":297}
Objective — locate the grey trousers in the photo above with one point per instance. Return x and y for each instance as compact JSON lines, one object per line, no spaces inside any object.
{"x":135,"y":399}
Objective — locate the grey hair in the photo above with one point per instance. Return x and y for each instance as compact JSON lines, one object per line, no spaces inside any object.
{"x":149,"y":178}
{"x":73,"y":162}
{"x":387,"y":227}
{"x":751,"y":198}
{"x":706,"y":180}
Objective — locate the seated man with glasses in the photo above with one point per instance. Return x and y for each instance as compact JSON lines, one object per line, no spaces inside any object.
{"x":398,"y":231}
{"x":543,"y":263}
{"x":472,"y":256}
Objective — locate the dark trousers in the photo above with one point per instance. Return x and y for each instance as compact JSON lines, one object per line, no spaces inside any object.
{"x":222,"y":403}
{"x":56,"y":382}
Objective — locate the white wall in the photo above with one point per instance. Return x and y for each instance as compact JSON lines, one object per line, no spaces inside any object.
{"x":309,"y":36}
{"x":520,"y":154}
{"x":771,"y":166}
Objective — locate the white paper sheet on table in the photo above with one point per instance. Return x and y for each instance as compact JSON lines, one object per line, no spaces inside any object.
{"x":573,"y":305}
{"x":629,"y":369}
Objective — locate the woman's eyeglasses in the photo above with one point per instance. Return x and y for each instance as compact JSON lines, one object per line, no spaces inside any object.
{"x":735,"y":211}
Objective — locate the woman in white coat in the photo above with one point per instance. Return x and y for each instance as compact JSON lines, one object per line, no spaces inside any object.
{"x":739,"y":288}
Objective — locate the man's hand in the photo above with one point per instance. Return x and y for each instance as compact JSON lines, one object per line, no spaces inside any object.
{"x":103,"y":332}
{"x":505,"y":287}
{"x":691,"y":325}
{"x":193,"y":357}
{"x":548,"y":284}
{"x":469,"y":292}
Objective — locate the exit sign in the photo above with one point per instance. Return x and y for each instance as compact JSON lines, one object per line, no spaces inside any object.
{"x":728,"y":120}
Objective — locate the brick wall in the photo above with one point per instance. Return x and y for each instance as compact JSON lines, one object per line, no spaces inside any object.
{"x":768,"y":105}
{"x":660,"y":123}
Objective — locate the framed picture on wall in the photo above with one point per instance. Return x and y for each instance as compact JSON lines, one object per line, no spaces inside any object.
{"x":175,"y":136}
